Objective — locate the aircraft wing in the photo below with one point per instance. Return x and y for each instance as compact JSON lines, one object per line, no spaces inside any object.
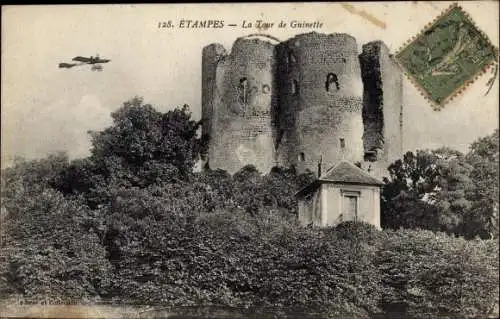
{"x":67,"y":65}
{"x":82,"y":59}
{"x":102,"y":61}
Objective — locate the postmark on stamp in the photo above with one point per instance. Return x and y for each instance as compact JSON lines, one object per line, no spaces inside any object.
{"x":447,"y":56}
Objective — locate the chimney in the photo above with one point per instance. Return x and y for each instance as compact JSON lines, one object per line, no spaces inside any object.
{"x":319,"y":166}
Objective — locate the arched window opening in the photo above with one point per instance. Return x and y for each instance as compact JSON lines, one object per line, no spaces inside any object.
{"x":243,"y":90}
{"x":342,"y":143}
{"x":265,"y":89}
{"x":291,"y":57}
{"x":332,"y":79}
{"x":302,"y":157}
{"x":295,"y":87}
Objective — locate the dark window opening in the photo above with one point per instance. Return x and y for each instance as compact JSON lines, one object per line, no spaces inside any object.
{"x":302,"y":157}
{"x":373,"y":154}
{"x":265,"y":89}
{"x":401,"y":118}
{"x":279,"y":138}
{"x":370,"y":156}
{"x":243,"y":89}
{"x":295,"y":87}
{"x":342,"y":143}
{"x":332,"y":79}
{"x":281,"y":134}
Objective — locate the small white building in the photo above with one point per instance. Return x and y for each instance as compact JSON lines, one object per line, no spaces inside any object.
{"x":343,"y":193}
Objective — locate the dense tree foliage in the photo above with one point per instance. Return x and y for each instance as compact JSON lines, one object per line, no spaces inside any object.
{"x":445,"y":190}
{"x":143,"y":147}
{"x":429,"y":275}
{"x":52,"y":244}
{"x":134,"y":223}
{"x":483,"y":218}
{"x":143,"y":144}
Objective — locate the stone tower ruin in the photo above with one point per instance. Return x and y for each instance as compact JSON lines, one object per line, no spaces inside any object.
{"x":320,"y":99}
{"x":237,"y":102}
{"x":382,"y":106}
{"x":310,"y":98}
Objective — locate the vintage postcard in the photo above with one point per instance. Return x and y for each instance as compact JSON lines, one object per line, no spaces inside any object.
{"x":253,"y":160}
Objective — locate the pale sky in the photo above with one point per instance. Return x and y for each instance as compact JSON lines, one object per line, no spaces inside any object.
{"x":47,"y":109}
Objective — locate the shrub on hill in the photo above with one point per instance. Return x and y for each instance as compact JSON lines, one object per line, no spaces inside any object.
{"x":53,"y":250}
{"x":428,"y":275}
{"x":132,"y":222}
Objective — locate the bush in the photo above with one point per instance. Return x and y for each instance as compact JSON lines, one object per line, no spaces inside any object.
{"x":359,"y":231}
{"x":196,"y":243}
{"x":133,"y":224}
{"x":53,"y":250}
{"x":430,"y":274}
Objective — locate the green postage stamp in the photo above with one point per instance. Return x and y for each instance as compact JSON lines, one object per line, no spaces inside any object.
{"x":447,"y":56}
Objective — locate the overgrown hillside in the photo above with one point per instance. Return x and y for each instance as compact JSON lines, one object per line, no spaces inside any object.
{"x":132,"y":223}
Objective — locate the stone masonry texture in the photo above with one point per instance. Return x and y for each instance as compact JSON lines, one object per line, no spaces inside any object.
{"x":310,"y":98}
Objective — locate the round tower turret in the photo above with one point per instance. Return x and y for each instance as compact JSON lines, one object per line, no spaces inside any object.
{"x":242,"y":131}
{"x":320,"y":98}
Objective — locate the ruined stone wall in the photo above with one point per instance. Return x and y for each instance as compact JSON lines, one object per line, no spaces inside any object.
{"x":382,"y":106}
{"x":211,"y":56}
{"x":242,"y":131}
{"x":320,"y":98}
{"x":392,"y":79}
{"x":307,"y":98}
{"x":373,"y":115}
{"x":286,"y":110}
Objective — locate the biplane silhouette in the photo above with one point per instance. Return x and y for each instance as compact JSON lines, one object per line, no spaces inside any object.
{"x":95,"y":61}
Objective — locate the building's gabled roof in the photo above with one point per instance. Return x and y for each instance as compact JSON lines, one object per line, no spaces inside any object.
{"x":348,"y":173}
{"x":342,"y":173}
